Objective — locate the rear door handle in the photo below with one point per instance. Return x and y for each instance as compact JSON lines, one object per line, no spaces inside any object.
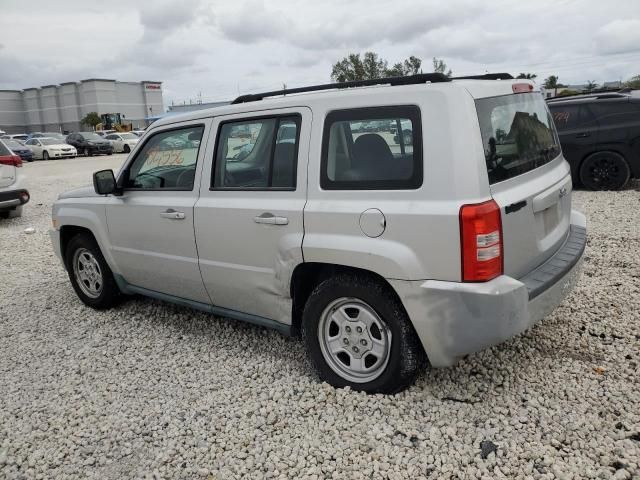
{"x":582,"y":135}
{"x":271,"y":219}
{"x":172,"y":214}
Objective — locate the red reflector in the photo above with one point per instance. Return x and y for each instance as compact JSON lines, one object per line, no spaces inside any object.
{"x":522,"y":87}
{"x":481,"y":241}
{"x":11,"y":160}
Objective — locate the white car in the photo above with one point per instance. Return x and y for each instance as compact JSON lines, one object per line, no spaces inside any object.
{"x":13,"y":194}
{"x":123,"y":142}
{"x":139,"y":133}
{"x":378,"y":250}
{"x":45,"y":148}
{"x":18,"y":137}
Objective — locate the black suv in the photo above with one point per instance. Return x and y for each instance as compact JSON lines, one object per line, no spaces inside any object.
{"x":89,"y":143}
{"x":600,"y":137}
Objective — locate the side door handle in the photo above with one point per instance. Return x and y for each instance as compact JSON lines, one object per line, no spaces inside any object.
{"x":582,"y":135}
{"x":172,"y":214}
{"x":271,"y":219}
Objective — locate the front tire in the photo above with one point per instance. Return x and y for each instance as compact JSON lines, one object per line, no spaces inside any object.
{"x":358,"y":334}
{"x":90,"y":274}
{"x":45,"y":155}
{"x":604,"y":171}
{"x":126,"y":149}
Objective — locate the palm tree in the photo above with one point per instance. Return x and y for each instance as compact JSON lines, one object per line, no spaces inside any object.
{"x":528,"y":76}
{"x":591,"y":85}
{"x":552,"y":82}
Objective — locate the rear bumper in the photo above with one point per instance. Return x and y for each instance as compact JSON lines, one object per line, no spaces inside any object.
{"x":13,"y":198}
{"x":454,"y":319}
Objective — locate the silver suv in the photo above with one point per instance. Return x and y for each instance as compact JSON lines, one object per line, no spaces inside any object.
{"x":386,"y":221}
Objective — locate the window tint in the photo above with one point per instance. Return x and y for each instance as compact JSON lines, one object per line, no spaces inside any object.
{"x":257,"y":154}
{"x":167,"y":160}
{"x":518,"y":134}
{"x":4,"y":150}
{"x":372,"y":148}
{"x":572,"y":116}
{"x":615,"y":112}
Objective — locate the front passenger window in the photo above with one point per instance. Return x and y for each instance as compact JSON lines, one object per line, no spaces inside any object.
{"x":167,"y":160}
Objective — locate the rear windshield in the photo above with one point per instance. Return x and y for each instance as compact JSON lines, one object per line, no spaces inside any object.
{"x":517,"y":133}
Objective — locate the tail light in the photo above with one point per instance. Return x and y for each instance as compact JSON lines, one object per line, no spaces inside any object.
{"x":11,"y":160}
{"x":481,"y":241}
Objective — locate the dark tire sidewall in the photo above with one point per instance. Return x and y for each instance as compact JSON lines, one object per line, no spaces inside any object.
{"x":585,"y":177}
{"x":405,"y":356}
{"x":110,"y":293}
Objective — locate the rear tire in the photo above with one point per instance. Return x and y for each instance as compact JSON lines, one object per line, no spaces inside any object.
{"x":604,"y":171}
{"x":90,"y":274}
{"x":358,"y":335}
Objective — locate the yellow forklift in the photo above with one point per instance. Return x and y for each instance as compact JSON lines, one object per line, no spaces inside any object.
{"x":114,"y":121}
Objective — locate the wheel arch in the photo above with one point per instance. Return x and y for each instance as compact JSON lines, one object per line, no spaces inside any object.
{"x":306,"y":276}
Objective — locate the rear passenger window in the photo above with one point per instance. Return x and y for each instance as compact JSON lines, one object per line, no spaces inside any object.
{"x":372,"y":149}
{"x":568,"y":117}
{"x":257,"y":154}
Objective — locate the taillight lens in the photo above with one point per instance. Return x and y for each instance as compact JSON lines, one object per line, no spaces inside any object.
{"x":481,"y":238}
{"x":11,"y":160}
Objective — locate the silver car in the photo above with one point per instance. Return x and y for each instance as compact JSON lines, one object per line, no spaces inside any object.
{"x":446,"y":229}
{"x":13,"y":191}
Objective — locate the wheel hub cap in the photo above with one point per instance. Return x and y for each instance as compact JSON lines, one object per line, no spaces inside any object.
{"x":87,"y":273}
{"x":354,"y":340}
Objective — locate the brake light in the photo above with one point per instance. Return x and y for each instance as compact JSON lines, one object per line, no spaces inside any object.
{"x":522,"y":87}
{"x":481,"y":241}
{"x":11,"y":160}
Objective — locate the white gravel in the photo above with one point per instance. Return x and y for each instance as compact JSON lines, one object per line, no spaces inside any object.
{"x":151,"y":390}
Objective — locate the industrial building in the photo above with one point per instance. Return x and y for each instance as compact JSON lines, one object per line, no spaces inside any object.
{"x":60,"y":108}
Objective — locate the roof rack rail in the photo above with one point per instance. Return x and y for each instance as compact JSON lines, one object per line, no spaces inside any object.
{"x":394,"y":81}
{"x":486,"y":76}
{"x":594,"y":96}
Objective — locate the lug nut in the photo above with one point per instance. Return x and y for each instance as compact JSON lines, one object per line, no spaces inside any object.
{"x":356,"y":349}
{"x":348,"y":329}
{"x":346,"y":341}
{"x":359,"y":329}
{"x":363,"y":341}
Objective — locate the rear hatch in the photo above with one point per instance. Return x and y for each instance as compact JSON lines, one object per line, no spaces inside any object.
{"x":529,"y":179}
{"x":7,"y":168}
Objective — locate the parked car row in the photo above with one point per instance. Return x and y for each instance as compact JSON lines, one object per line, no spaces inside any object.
{"x":49,"y":145}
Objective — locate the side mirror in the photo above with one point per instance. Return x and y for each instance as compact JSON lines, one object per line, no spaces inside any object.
{"x":104,"y":182}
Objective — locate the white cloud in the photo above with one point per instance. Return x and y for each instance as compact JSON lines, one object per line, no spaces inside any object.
{"x":225,"y":48}
{"x":619,"y":36}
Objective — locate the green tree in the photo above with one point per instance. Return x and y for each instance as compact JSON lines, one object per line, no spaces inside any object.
{"x":440,"y":67}
{"x":369,"y":66}
{"x":551,"y":82}
{"x":411,"y":66}
{"x":591,"y":85}
{"x":529,"y":76}
{"x":568,"y":93}
{"x":633,"y":82}
{"x":91,"y":119}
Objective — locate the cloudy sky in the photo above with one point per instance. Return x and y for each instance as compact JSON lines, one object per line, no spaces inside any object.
{"x":218,"y":49}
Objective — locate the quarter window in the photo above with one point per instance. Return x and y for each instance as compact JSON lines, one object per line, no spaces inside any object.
{"x":372,"y":148}
{"x":167,"y":160}
{"x":257,"y":154}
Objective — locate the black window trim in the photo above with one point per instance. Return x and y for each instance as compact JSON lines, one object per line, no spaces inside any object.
{"x":382,"y":112}
{"x":296,"y":116}
{"x":125,"y":171}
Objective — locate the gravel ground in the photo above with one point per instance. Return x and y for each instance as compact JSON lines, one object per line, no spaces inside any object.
{"x":151,"y":390}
